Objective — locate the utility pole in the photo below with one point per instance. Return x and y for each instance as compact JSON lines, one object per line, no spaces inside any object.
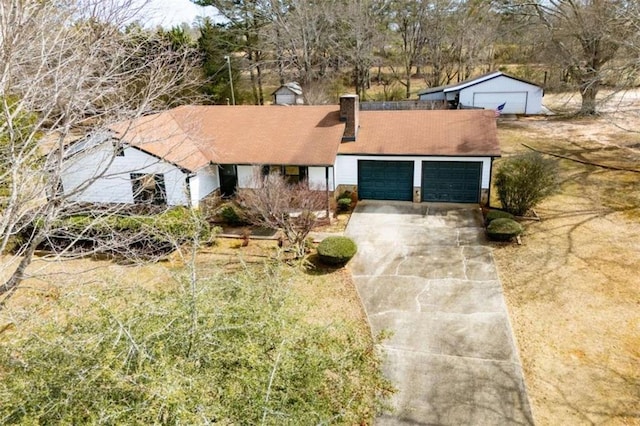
{"x":233,"y":96}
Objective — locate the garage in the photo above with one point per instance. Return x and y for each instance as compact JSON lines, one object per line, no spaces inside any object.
{"x":385,"y":180}
{"x":488,"y":91}
{"x":451,"y":181}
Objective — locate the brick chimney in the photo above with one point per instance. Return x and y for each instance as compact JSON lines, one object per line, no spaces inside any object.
{"x":350,"y":114}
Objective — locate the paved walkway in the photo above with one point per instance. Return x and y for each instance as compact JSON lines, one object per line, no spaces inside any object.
{"x":424,"y":273}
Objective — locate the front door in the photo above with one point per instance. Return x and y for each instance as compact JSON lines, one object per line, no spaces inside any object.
{"x":228,"y":179}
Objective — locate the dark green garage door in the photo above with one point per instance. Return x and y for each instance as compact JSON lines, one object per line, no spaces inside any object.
{"x":385,"y":180}
{"x":451,"y":181}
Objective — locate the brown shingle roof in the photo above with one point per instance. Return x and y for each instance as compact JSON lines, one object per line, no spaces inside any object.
{"x":163,"y":136}
{"x":440,"y":132}
{"x":193,"y":136}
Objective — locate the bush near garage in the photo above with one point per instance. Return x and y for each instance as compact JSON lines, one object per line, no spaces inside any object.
{"x":525,"y":180}
{"x":496,"y":214}
{"x":344,"y":204}
{"x":504,"y":229}
{"x":336,"y":250}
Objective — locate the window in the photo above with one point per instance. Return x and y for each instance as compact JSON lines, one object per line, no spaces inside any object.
{"x":148,"y":189}
{"x":293,"y":174}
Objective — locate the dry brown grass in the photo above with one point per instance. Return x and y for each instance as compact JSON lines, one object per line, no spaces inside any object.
{"x":573,"y":286}
{"x":325,"y":295}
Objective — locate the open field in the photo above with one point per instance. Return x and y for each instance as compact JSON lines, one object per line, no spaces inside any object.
{"x":573,"y":286}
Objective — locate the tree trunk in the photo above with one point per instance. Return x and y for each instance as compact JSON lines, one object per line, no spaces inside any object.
{"x":279,"y":55}
{"x":408,"y":82}
{"x":16,"y":278}
{"x":260,"y":89}
{"x":252,"y":77}
{"x":589,"y":87}
{"x":588,"y":94}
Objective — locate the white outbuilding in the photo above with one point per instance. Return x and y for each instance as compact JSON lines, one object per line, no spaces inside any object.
{"x":288,"y":94}
{"x":489,"y":91}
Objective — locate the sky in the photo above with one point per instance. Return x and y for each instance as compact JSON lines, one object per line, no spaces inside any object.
{"x":173,"y":12}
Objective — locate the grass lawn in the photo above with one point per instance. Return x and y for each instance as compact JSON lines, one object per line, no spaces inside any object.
{"x":572,"y":287}
{"x":253,"y":341}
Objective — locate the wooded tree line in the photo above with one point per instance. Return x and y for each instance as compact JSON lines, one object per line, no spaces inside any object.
{"x":329,"y":45}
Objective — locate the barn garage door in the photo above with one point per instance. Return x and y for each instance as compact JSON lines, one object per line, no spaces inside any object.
{"x":515,"y":102}
{"x":385,"y":180}
{"x":451,"y":181}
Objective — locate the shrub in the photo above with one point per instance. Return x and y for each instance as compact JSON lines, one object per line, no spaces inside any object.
{"x":106,"y":232}
{"x":304,"y":217}
{"x":336,"y":250}
{"x":344,"y":204}
{"x":232,"y":215}
{"x":525,"y":180}
{"x":345,"y":194}
{"x":497,"y":214}
{"x":504,"y":229}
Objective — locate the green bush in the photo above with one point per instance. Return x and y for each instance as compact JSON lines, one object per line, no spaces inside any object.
{"x":497,"y":214}
{"x":345,"y":194}
{"x":504,"y":229}
{"x":344,"y":204}
{"x":232,"y":215}
{"x":336,"y":250}
{"x":106,"y":232}
{"x":525,"y":180}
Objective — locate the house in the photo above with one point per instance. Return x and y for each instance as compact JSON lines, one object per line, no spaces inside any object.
{"x":489,"y":91}
{"x":288,"y":94}
{"x":181,"y":156}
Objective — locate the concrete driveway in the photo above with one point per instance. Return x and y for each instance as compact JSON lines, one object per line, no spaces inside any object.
{"x":424,"y":273}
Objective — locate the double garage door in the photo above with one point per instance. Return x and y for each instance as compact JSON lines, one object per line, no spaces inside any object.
{"x":442,"y":181}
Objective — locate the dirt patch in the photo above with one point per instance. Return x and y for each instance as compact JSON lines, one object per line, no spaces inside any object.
{"x":573,"y":285}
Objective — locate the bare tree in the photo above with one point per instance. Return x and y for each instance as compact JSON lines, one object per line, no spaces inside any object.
{"x":408,"y":18}
{"x":305,"y":36}
{"x":586,"y":37}
{"x":363,"y":26}
{"x":66,"y":67}
{"x":291,"y":208}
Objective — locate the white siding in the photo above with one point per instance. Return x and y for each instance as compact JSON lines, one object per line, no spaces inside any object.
{"x":514,"y":102}
{"x":246,"y":176}
{"x":346,"y":168}
{"x":285,"y":98}
{"x":317,"y":178}
{"x":203,"y":183}
{"x":504,"y":89}
{"x":109,"y":177}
